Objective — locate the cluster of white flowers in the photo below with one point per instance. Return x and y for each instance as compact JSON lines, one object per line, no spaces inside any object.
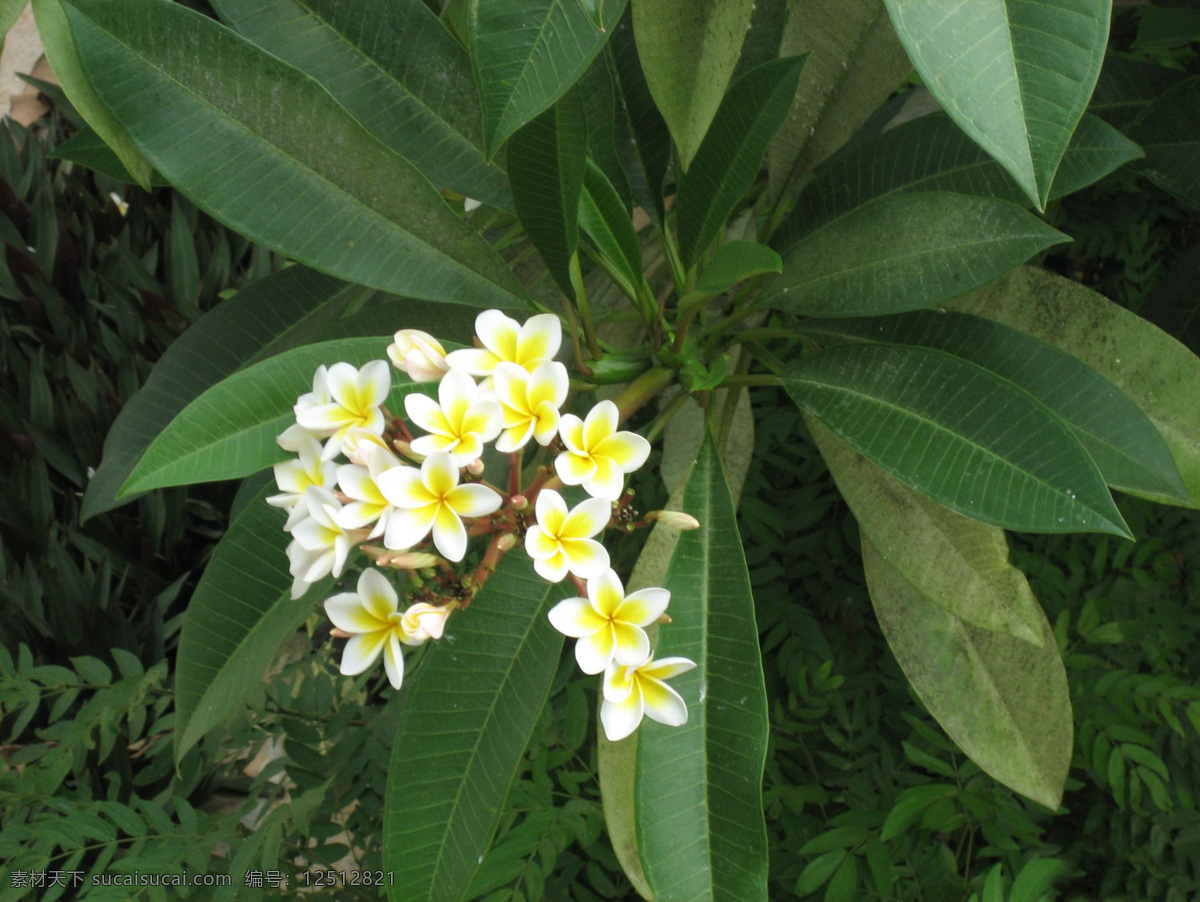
{"x":381,"y":495}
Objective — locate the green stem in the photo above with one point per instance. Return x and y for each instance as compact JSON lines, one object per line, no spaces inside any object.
{"x":678,"y":274}
{"x":585,"y":312}
{"x":641,"y":390}
{"x":667,"y":414}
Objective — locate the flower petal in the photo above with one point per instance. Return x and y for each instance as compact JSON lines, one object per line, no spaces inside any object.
{"x":393,"y":661}
{"x":539,"y":339}
{"x":551,"y":512}
{"x":593,"y":653}
{"x":362,"y":650}
{"x":662,"y":703}
{"x":665,"y":668}
{"x":631,"y":645}
{"x":374,"y":383}
{"x":326,"y":418}
{"x":509,"y":382}
{"x":601,"y":423}
{"x":473,"y":500}
{"x":449,"y":534}
{"x":570,"y":428}
{"x":643,"y":607}
{"x":540,"y":546}
{"x":553,"y":569}
{"x":585,"y":557}
{"x":586,"y":519}
{"x":620,"y":719}
{"x":516,"y":437}
{"x":378,"y":594}
{"x":476,"y":361}
{"x":426,"y":413}
{"x":573,"y":469}
{"x":607,"y":481}
{"x":606,"y":593}
{"x":439,"y":474}
{"x":575,"y":617}
{"x":408,"y":527}
{"x":404,"y":487}
{"x":627,"y":449}
{"x":341,"y":380}
{"x":550,"y":383}
{"x":618,"y":682}
{"x":498,"y":333}
{"x":346,"y":612}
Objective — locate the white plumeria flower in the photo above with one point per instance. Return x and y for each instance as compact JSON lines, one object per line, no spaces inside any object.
{"x":372,"y":617}
{"x":561,"y":542}
{"x":327,"y":544}
{"x":632,"y":691}
{"x":505,"y":340}
{"x":458,"y":423}
{"x":318,"y":397}
{"x":295,"y":476}
{"x":418,"y":354}
{"x":355,"y":396}
{"x":597,"y":456}
{"x":609,"y":624}
{"x":367,"y":505}
{"x":529,"y":402}
{"x":431,"y":499}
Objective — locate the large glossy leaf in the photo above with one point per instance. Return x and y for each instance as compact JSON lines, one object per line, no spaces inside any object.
{"x":396,"y":68}
{"x":319,"y":188}
{"x":1130,"y":453}
{"x":1169,"y":132}
{"x":59,"y":47}
{"x":1127,"y":87}
{"x":698,"y":795}
{"x":605,"y":129}
{"x":933,"y":154}
{"x":527,"y":53}
{"x":644,"y":142}
{"x":229,"y":431}
{"x":736,"y":261}
{"x":1004,"y":701}
{"x":1158,"y":374}
{"x":1016,"y":75}
{"x":731,"y":154}
{"x":546,"y":163}
{"x":905,"y":252}
{"x":239,"y":615}
{"x":689,"y":49}
{"x":604,"y":217}
{"x":471,"y":709}
{"x":958,"y":563}
{"x":958,"y":434}
{"x":248,"y":325}
{"x":855,"y":62}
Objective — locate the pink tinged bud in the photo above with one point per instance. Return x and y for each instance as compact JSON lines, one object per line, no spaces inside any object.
{"x":412,"y":560}
{"x":340,"y":634}
{"x":674,"y":519}
{"x":519,"y":502}
{"x":418,"y":354}
{"x":506,"y":542}
{"x":475,"y":467}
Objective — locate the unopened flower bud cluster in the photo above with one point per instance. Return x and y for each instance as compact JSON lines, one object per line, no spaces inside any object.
{"x":361,"y":478}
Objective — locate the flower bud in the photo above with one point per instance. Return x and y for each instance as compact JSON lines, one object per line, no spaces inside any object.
{"x":424,"y":621}
{"x":475,"y":467}
{"x":506,"y":542}
{"x":519,"y":502}
{"x":674,"y":519}
{"x":360,"y":443}
{"x":411,"y":560}
{"x":418,"y":354}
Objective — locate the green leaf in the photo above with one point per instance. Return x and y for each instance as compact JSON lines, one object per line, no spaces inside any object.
{"x":1162,"y":28}
{"x":905,"y":252}
{"x":239,"y":615}
{"x":1130,"y":453}
{"x":844,"y":882}
{"x":837,"y":838}
{"x":855,"y":63}
{"x":396,"y":68}
{"x":958,"y":434}
{"x":61,"y":52}
{"x":1127,"y":87}
{"x":731,"y":154}
{"x":1035,"y":878}
{"x":10,"y":10}
{"x":646,"y":149}
{"x":957,"y":563}
{"x":910,"y":806}
{"x":268,"y":315}
{"x":1156,"y":372}
{"x":689,"y":49}
{"x":182,"y":262}
{"x":88,"y":149}
{"x":1169,"y":132}
{"x":606,"y":129}
{"x":932,"y":154}
{"x":344,"y":204}
{"x":698,"y":792}
{"x":993,"y":889}
{"x":603,"y":216}
{"x":527,"y":53}
{"x":546,"y":164}
{"x":229,"y":431}
{"x":735,"y":262}
{"x":469,"y":712}
{"x":1016,"y":76}
{"x":818,"y":871}
{"x":1003,"y":701}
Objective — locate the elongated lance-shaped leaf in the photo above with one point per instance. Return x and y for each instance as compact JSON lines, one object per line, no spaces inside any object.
{"x":728,"y":160}
{"x":736,"y":261}
{"x":527,"y":53}
{"x":233,"y":333}
{"x":1016,"y":75}
{"x":1127,"y":87}
{"x":1130,"y":453}
{"x":546,"y":163}
{"x":606,"y":130}
{"x":689,"y":49}
{"x":239,"y":615}
{"x":646,"y":148}
{"x":1169,"y":132}
{"x":1004,"y":701}
{"x":960,"y":435}
{"x":604,"y":217}
{"x":1159,"y":375}
{"x":958,"y":563}
{"x":905,"y":252}
{"x":855,"y":62}
{"x":471,"y":709}
{"x":59,"y":47}
{"x":266,"y":150}
{"x":698,"y":790}
{"x":933,"y":154}
{"x":396,"y":68}
{"x":229,"y":431}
